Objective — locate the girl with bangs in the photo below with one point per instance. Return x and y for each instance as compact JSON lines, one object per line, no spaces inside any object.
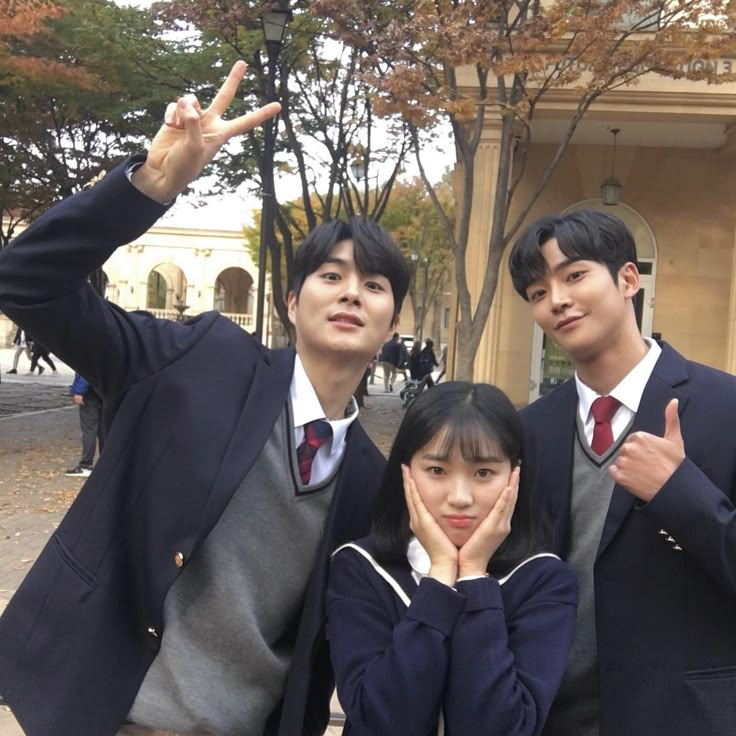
{"x":451,"y":618}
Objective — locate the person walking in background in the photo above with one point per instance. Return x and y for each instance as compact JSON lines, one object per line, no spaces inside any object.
{"x":39,"y":352}
{"x":90,"y":422}
{"x":634,"y":460}
{"x":390,"y":359}
{"x":403,"y":365}
{"x":443,"y":363}
{"x":427,"y":362}
{"x":22,"y":343}
{"x":452,"y":613}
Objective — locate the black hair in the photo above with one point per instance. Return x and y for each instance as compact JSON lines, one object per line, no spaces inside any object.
{"x":584,"y":235}
{"x":469,"y":414}
{"x":374,"y":252}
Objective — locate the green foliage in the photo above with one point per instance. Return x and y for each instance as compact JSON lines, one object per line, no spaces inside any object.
{"x":58,"y":131}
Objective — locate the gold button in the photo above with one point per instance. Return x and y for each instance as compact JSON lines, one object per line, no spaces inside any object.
{"x":179,"y":559}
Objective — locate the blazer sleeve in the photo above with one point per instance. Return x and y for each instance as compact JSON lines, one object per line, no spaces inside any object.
{"x":506,"y":665}
{"x":390,"y":673}
{"x":44,"y":286}
{"x":702,"y":518}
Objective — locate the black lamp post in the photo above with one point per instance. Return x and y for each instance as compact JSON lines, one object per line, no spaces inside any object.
{"x":274,"y":28}
{"x":611,"y":187}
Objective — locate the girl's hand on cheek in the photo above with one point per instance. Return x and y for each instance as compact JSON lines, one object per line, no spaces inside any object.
{"x":475,"y":554}
{"x":442,"y":552}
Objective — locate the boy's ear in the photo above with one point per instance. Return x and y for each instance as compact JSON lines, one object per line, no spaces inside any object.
{"x":392,"y":327}
{"x":629,"y":279}
{"x":291,"y":301}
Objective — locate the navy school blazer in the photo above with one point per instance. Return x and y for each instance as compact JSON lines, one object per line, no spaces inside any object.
{"x":485,"y":657}
{"x":189,"y":407}
{"x":665,"y":603}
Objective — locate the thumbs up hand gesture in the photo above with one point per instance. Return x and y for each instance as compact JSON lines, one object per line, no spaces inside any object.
{"x":646,"y":462}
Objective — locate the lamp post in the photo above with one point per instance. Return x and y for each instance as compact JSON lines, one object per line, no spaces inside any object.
{"x":274,"y":28}
{"x":611,"y":187}
{"x":414,"y":255}
{"x":425,"y":305}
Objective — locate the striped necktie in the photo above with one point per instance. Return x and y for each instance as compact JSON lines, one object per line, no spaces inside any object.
{"x":316,"y":433}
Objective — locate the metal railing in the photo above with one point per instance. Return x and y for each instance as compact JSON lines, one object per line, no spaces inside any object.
{"x":242,"y":320}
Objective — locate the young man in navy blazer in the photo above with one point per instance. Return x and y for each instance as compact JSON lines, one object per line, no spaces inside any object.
{"x":646,"y":518}
{"x":184,"y":590}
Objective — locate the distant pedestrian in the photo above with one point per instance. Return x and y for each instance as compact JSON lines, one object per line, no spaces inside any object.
{"x":443,"y":363}
{"x":90,"y":421}
{"x":427,"y":362}
{"x":403,"y":365}
{"x":39,"y":352}
{"x":22,"y":343}
{"x":390,"y":358}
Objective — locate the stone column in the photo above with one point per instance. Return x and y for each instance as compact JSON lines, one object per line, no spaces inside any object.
{"x":481,"y":219}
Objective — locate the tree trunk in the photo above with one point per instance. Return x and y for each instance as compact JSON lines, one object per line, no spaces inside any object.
{"x":464,"y":354}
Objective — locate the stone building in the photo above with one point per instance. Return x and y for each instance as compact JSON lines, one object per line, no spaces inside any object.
{"x":676,"y":161}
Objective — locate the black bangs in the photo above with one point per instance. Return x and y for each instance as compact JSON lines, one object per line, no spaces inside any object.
{"x":374,"y":252}
{"x":476,"y":441}
{"x":526,"y":262}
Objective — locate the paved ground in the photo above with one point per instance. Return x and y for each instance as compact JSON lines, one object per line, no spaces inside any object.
{"x":40,"y":439}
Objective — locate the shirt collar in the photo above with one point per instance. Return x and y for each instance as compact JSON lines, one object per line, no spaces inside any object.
{"x":418,"y":558}
{"x":305,"y":406}
{"x":630,"y":389}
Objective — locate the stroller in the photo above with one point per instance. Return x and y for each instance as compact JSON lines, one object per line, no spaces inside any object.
{"x":412,"y":388}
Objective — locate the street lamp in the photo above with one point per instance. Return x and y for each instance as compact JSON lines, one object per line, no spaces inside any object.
{"x":611,"y":187}
{"x":274,"y":28}
{"x":357,"y":169}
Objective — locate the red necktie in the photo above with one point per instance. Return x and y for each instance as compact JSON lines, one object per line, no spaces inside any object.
{"x":603,"y":409}
{"x":316,"y":433}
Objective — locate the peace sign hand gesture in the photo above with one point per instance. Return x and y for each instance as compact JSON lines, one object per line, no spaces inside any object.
{"x":191,"y":137}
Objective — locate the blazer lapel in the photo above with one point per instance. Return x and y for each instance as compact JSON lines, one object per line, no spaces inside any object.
{"x":264,"y":401}
{"x":555,"y":447}
{"x":355,"y":491}
{"x":665,"y":384}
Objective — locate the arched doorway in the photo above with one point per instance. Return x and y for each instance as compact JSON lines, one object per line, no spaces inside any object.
{"x":234,"y":291}
{"x":551,"y":366}
{"x":167,"y":286}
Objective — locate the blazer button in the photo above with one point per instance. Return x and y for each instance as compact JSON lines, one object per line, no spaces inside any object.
{"x":179,"y":559}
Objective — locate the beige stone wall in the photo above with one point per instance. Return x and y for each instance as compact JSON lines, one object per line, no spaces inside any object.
{"x":689,"y":200}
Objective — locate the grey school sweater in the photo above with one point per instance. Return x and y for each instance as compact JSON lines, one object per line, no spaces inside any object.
{"x":230,"y":618}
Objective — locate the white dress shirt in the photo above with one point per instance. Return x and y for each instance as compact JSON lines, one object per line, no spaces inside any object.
{"x":628,"y":392}
{"x":306,"y":408}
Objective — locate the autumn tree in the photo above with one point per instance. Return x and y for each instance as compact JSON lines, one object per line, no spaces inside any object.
{"x":420,"y":233}
{"x":517,"y":53}
{"x":327,"y":123}
{"x":59,"y":130}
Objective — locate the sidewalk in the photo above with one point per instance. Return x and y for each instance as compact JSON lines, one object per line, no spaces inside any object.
{"x":63,"y":377}
{"x":40,"y":438}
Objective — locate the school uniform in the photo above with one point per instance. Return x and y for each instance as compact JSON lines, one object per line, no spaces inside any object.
{"x":410,"y":652}
{"x":181,"y":461}
{"x":663,"y":573}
